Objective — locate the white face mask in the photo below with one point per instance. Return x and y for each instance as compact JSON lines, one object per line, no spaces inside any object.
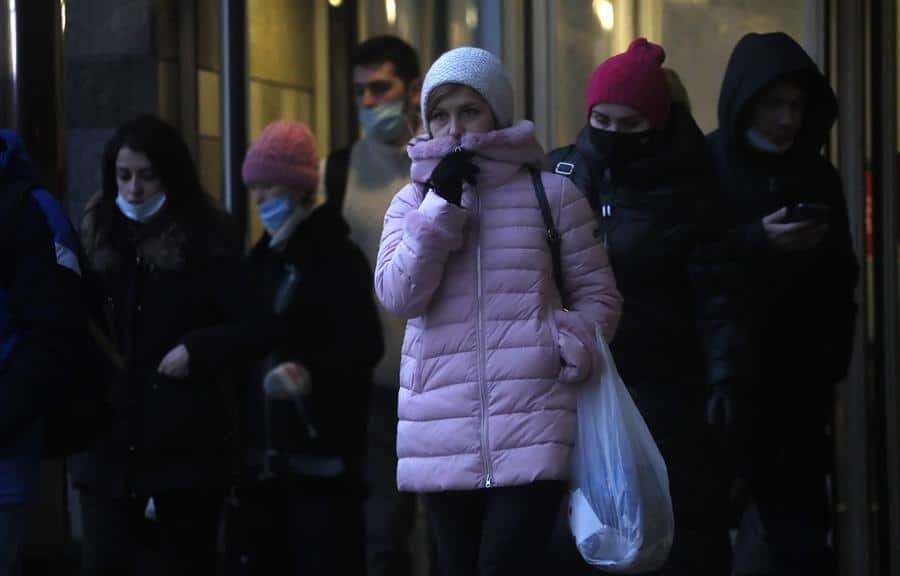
{"x":758,"y":140}
{"x":143,"y":211}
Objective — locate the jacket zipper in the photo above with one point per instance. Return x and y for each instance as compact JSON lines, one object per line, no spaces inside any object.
{"x":606,"y":208}
{"x":417,"y":385}
{"x":482,"y":382}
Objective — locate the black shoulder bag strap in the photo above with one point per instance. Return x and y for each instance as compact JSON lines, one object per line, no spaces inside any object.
{"x":553,"y":238}
{"x":575,"y":168}
{"x":13,"y":202}
{"x":337,"y":167}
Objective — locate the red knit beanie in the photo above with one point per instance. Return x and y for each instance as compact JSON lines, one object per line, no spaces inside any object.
{"x":285,"y":154}
{"x":635,"y":79}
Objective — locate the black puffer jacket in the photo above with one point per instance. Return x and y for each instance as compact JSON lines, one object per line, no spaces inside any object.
{"x":155,"y":283}
{"x":801,"y":304}
{"x":327,"y":321}
{"x":679,"y":333}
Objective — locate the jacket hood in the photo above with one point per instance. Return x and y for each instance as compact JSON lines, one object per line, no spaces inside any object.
{"x":15,"y":162}
{"x":757,"y":61}
{"x":499,"y":154}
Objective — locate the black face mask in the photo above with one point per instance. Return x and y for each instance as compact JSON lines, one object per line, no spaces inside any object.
{"x":618,"y":149}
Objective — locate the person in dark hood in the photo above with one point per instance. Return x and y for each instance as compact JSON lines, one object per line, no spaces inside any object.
{"x":788,"y":222}
{"x":307,"y":402}
{"x":644,"y":165}
{"x":41,"y":311}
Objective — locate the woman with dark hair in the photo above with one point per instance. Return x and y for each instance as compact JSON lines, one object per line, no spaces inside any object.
{"x":161,"y":264}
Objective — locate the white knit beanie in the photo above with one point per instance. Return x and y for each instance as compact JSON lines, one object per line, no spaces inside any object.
{"x":479,"y":70}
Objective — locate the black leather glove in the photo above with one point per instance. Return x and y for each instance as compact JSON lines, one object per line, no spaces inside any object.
{"x":448,"y":176}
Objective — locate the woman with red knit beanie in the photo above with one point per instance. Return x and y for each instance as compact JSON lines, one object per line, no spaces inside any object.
{"x":307,"y":399}
{"x":643,"y":164}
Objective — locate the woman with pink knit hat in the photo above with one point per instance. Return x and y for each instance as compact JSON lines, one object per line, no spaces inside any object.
{"x":307,"y":400}
{"x":643,"y":164}
{"x":491,"y":359}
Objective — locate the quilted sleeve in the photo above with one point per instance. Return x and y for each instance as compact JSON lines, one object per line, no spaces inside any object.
{"x":588,"y":280}
{"x":416,"y":241}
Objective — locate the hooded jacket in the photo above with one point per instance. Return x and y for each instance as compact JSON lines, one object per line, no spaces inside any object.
{"x":489,"y":359}
{"x":801,"y":304}
{"x":659,"y":223}
{"x":42,"y":316}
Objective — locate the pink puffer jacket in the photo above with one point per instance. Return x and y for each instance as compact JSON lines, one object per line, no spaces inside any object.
{"x":488,"y":356}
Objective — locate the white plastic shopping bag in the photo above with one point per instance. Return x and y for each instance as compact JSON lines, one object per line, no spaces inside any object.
{"x":620,"y":510}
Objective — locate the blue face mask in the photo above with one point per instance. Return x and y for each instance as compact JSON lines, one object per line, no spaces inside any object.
{"x":143,"y":211}
{"x":385,"y":123}
{"x":274,"y":212}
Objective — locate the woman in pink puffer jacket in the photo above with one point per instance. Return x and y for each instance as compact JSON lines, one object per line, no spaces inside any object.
{"x":490,"y":359}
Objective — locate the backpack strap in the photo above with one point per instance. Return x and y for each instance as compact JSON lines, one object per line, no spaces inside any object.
{"x":11,"y":204}
{"x":15,"y":194}
{"x":65,"y":241}
{"x":565,"y":167}
{"x":553,"y":238}
{"x":570,"y":163}
{"x":18,"y":188}
{"x":337,"y":168}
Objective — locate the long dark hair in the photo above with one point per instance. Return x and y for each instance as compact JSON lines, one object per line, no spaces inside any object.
{"x":171,"y":160}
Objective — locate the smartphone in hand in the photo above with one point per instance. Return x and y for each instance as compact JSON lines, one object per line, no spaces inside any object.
{"x":809,"y":212}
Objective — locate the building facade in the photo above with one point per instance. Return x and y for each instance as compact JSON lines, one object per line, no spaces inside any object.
{"x":220,"y":70}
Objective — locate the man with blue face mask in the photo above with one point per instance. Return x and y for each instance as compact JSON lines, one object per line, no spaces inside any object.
{"x":364,"y":179}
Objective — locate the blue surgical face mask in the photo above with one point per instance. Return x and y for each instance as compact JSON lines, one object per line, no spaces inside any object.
{"x":274,"y":212}
{"x":143,"y":211}
{"x":386,"y":122}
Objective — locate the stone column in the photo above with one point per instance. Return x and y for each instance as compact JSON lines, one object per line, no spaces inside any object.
{"x":118,"y":63}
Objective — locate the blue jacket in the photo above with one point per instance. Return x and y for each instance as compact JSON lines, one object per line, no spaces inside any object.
{"x":40,"y":310}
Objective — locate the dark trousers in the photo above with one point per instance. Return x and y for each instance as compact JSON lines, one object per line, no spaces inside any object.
{"x":390,"y":514}
{"x":791,"y":456}
{"x":12,"y":532}
{"x":119,"y":540}
{"x":790,"y":535}
{"x":797,"y":539}
{"x":294,"y":525}
{"x":495,"y":531}
{"x":698,"y":484}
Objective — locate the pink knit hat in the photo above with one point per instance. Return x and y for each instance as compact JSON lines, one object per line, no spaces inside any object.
{"x":635,"y":79}
{"x":285,"y":153}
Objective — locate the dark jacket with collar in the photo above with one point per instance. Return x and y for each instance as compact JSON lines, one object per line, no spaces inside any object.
{"x":153,"y":284}
{"x":316,"y":291}
{"x":679,"y":333}
{"x":801,"y":304}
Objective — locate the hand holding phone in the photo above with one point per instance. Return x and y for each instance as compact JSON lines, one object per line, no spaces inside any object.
{"x":791,"y":230}
{"x":808,"y":212}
